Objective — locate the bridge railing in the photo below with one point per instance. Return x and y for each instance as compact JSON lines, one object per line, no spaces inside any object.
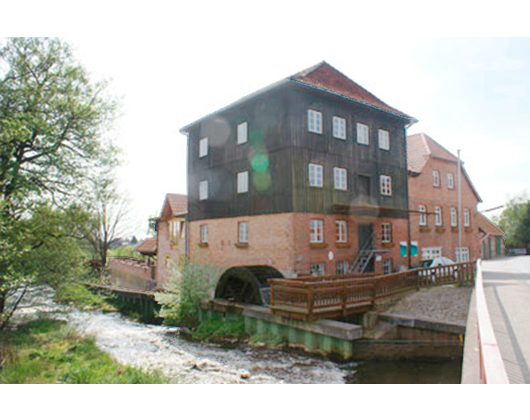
{"x":330,"y":296}
{"x":492,"y":370}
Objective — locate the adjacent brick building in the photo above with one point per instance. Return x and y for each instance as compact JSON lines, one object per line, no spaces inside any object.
{"x":171,"y":234}
{"x":433,"y":202}
{"x":491,"y":238}
{"x":300,"y":176}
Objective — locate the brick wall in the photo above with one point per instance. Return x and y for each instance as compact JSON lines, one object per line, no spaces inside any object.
{"x":167,"y":251}
{"x":422,"y":192}
{"x":130,"y":273}
{"x":283,"y":242}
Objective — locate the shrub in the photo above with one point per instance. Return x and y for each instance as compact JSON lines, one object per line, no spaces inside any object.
{"x":187,"y":286}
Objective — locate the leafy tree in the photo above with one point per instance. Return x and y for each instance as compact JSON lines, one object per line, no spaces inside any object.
{"x":52,"y":120}
{"x":515,"y":222}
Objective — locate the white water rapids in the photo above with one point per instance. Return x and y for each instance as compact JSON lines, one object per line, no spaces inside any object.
{"x":159,"y":347}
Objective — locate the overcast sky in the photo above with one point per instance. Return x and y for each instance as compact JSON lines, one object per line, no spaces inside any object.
{"x":171,"y":65}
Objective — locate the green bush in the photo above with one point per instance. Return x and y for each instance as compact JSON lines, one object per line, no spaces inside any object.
{"x":81,"y":297}
{"x":219,"y":330}
{"x":187,"y":286}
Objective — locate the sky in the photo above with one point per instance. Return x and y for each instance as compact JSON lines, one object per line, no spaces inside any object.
{"x":469,"y":94}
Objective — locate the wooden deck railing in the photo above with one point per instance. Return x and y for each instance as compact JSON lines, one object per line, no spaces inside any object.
{"x":312,"y":298}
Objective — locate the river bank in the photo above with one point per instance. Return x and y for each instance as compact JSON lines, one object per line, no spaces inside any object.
{"x":162,"y":348}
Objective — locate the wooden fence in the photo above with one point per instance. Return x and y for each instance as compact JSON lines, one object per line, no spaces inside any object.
{"x":311,"y":298}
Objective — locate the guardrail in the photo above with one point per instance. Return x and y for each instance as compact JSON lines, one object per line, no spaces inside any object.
{"x":311,"y":298}
{"x":492,"y":370}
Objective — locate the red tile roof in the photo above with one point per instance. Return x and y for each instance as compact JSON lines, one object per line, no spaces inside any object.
{"x":178,"y":204}
{"x":147,"y":246}
{"x":488,"y":226}
{"x":421,"y":147}
{"x":326,"y":77}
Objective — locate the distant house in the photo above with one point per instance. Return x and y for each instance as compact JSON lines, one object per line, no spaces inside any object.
{"x":433,"y":202}
{"x":171,"y":233}
{"x":492,"y":238}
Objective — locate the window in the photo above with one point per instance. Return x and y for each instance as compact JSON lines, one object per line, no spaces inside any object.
{"x":174,"y":230}
{"x":342,"y":231}
{"x":450,"y":182}
{"x":203,"y":190}
{"x":314,"y":124}
{"x":454,"y":221}
{"x":340,"y":175}
{"x":387,"y":266}
{"x":243,"y":232}
{"x":362,"y":134}
{"x":203,"y":147}
{"x":339,"y":128}
{"x":466,"y":218}
{"x":423,"y":215}
{"x":316,"y":231}
{"x":386,"y":232}
{"x":438,"y":216}
{"x":315,"y":175}
{"x":344,"y":267}
{"x":317,"y":269}
{"x":204,"y":234}
{"x":431,"y":252}
{"x":385,"y":184}
{"x":436,"y":179}
{"x":242,"y":182}
{"x":242,"y":133}
{"x":462,"y":254}
{"x":384,"y":140}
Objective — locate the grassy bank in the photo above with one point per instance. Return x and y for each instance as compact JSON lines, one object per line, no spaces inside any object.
{"x":49,"y":351}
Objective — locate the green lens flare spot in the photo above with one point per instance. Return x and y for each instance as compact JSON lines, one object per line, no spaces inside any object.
{"x":261,"y":180}
{"x":260,"y":163}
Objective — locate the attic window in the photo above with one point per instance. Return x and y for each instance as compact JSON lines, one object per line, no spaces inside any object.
{"x":450,"y":183}
{"x":435,"y":178}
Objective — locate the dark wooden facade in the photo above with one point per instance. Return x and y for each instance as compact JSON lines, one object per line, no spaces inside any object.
{"x":280,"y":148}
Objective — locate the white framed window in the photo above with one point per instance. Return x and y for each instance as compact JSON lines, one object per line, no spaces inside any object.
{"x":242,"y":182}
{"x":454,"y":218}
{"x":435,"y":178}
{"x":339,"y":128}
{"x":363,"y":134}
{"x":314,"y":121}
{"x":204,"y":234}
{"x":340,"y":176}
{"x":462,"y":254}
{"x":431,"y":252}
{"x":316,"y":231}
{"x":316,"y":177}
{"x":438,"y":216}
{"x":385,"y":185}
{"x":384,"y":139}
{"x":386,"y":232}
{"x":203,"y":147}
{"x":203,"y":190}
{"x":423,"y":215}
{"x":243,"y":232}
{"x":317,"y":269}
{"x":342,"y":231}
{"x":450,"y":181}
{"x":466,"y":218}
{"x":242,"y":133}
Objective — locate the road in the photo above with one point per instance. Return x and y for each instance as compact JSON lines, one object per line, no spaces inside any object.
{"x":507,"y":290}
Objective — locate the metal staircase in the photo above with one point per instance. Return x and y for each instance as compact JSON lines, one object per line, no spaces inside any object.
{"x":365,"y":255}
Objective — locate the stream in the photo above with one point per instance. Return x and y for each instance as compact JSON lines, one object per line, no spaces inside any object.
{"x":159,"y":347}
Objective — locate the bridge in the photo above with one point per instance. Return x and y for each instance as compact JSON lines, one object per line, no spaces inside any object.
{"x":500,"y":353}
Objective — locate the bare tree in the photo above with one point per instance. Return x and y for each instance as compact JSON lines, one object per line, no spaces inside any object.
{"x":107,"y":212}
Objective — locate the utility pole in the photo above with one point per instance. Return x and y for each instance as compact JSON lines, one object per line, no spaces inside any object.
{"x":459,"y":209}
